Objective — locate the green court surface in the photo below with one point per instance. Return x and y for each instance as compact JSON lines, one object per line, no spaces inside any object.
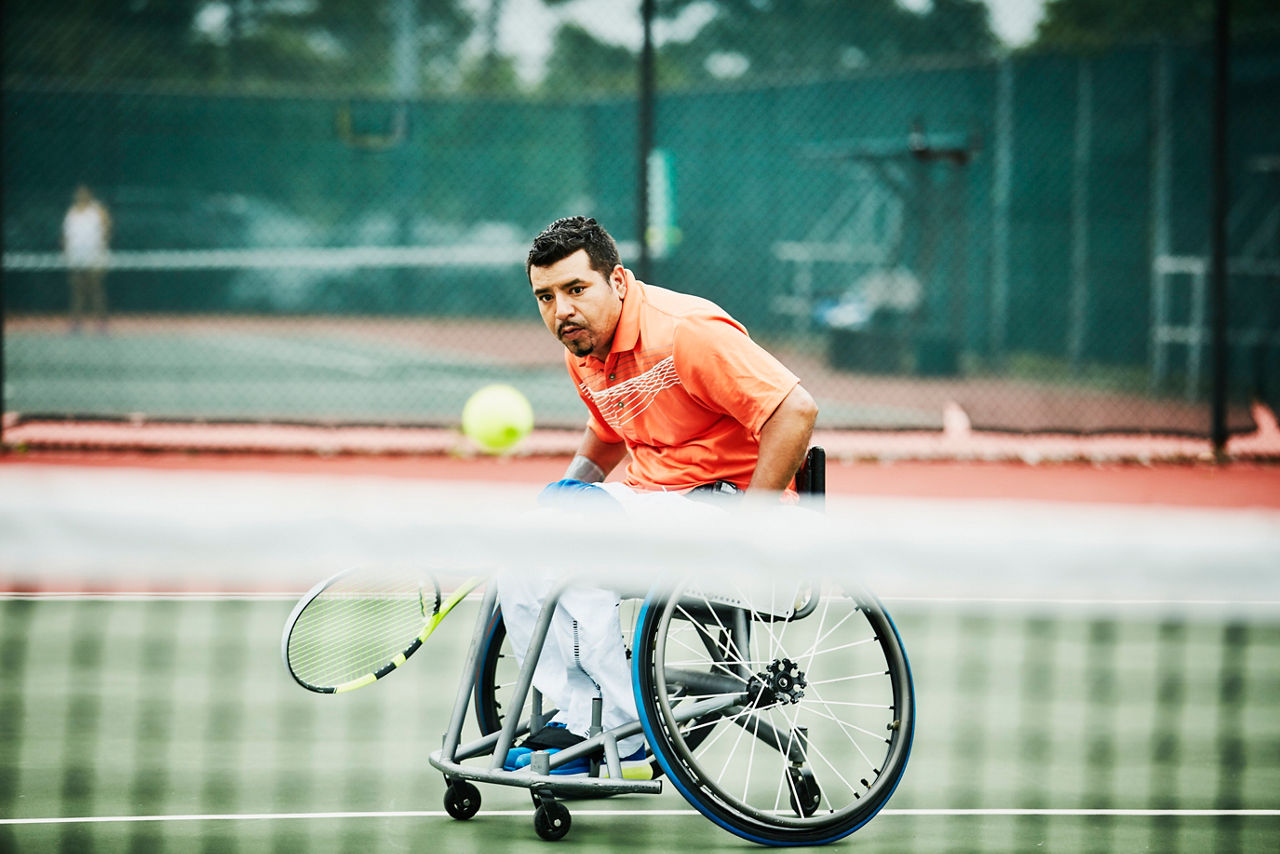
{"x":243,"y":370}
{"x":1044,"y":730}
{"x":421,"y":370}
{"x":336,"y":370}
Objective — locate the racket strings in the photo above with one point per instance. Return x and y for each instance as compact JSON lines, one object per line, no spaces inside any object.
{"x":358,"y":625}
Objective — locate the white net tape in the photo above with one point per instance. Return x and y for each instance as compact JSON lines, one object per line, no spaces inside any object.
{"x":62,"y":525}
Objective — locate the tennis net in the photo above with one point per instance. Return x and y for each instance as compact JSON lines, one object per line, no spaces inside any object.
{"x":1100,"y":680}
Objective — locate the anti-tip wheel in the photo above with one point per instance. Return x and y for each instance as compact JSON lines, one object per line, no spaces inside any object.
{"x":461,"y":800}
{"x":551,"y":820}
{"x":805,"y":793}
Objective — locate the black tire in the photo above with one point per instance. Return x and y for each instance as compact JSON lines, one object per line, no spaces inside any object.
{"x":551,"y":820}
{"x":823,"y":705}
{"x":495,"y":675}
{"x":461,"y":800}
{"x":803,"y":790}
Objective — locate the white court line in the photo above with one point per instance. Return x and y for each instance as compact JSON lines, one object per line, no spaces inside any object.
{"x":1084,"y":813}
{"x":1042,"y":600}
{"x":302,"y":353}
{"x":167,"y":596}
{"x":149,"y":596}
{"x":329,"y":258}
{"x":196,"y":595}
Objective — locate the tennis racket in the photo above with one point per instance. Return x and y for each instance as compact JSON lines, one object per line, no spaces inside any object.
{"x":361,"y":624}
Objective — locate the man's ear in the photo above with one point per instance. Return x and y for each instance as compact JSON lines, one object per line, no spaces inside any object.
{"x":618,"y":279}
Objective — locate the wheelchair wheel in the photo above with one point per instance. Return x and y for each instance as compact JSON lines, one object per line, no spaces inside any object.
{"x":496,"y":674}
{"x":785,"y":725}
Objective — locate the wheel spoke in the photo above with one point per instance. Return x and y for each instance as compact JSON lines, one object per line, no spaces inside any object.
{"x":807,"y":709}
{"x":845,"y":727}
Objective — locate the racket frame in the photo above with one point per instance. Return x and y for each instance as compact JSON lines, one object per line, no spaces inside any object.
{"x":430,"y":622}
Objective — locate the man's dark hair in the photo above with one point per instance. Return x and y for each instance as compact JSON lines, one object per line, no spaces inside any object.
{"x":566,"y":236}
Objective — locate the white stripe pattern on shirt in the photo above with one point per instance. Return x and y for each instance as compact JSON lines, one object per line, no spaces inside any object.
{"x":628,"y":399}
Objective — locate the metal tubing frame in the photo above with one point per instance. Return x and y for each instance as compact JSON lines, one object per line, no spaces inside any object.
{"x":449,"y":758}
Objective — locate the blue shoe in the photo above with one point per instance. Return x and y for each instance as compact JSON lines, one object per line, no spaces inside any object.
{"x":634,"y":767}
{"x":553,"y":736}
{"x":517,"y":757}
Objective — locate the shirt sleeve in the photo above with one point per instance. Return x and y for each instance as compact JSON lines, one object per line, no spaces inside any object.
{"x":721,"y":367}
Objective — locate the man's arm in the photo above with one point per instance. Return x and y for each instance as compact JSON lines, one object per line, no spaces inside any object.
{"x":784,"y":439}
{"x":595,"y":458}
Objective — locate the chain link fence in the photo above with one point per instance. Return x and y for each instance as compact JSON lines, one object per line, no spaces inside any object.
{"x":323,"y":217}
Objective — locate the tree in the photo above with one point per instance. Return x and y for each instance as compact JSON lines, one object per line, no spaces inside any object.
{"x":774,"y":39}
{"x":86,"y":40}
{"x":790,"y":38}
{"x":580,"y":62}
{"x":1094,"y":25}
{"x":253,"y":43}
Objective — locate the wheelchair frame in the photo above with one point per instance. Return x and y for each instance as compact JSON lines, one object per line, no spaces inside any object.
{"x":551,"y":818}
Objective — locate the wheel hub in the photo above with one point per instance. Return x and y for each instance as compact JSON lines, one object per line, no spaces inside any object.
{"x":781,"y":683}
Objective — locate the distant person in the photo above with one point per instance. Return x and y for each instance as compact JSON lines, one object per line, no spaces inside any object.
{"x":86,"y":239}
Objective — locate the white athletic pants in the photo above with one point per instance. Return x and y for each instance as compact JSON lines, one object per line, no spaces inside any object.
{"x":584,"y":656}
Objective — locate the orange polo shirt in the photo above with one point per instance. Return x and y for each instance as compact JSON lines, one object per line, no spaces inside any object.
{"x":685,"y":387}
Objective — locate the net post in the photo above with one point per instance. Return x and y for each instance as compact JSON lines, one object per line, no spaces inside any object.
{"x":1218,"y":229}
{"x":3,"y":320}
{"x":646,"y":86}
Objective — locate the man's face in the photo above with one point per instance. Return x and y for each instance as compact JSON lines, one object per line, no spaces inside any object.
{"x":580,"y":306}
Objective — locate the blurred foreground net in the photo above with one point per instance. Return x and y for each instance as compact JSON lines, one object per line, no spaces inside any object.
{"x":180,"y":708}
{"x":1114,"y":694}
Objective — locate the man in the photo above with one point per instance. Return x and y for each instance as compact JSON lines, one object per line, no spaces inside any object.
{"x":674,"y":382}
{"x":86,"y":235}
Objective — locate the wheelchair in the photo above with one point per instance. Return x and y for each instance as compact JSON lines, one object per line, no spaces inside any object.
{"x":782,"y":710}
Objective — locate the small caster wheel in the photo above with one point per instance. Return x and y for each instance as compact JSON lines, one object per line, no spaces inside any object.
{"x":805,"y":794}
{"x":551,"y":820}
{"x":461,"y":800}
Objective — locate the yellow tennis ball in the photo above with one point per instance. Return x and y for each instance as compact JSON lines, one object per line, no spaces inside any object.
{"x":497,"y":417}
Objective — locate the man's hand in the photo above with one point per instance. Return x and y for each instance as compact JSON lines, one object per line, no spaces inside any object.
{"x":568,"y":493}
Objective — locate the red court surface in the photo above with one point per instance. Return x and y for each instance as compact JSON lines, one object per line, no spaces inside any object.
{"x":1232,"y":485}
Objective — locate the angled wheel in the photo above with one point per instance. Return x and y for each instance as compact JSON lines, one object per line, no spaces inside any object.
{"x":783,"y":721}
{"x":461,"y":800}
{"x":551,"y":820}
{"x":496,"y":674}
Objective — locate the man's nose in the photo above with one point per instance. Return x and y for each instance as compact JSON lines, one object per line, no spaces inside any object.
{"x":564,"y":306}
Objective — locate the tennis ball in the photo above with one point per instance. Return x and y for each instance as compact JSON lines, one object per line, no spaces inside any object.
{"x":497,"y":417}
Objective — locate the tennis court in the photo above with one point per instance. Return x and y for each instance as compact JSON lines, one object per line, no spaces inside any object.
{"x":417,"y":371}
{"x":280,"y":369}
{"x":1030,"y":266}
{"x":1048,"y":719}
